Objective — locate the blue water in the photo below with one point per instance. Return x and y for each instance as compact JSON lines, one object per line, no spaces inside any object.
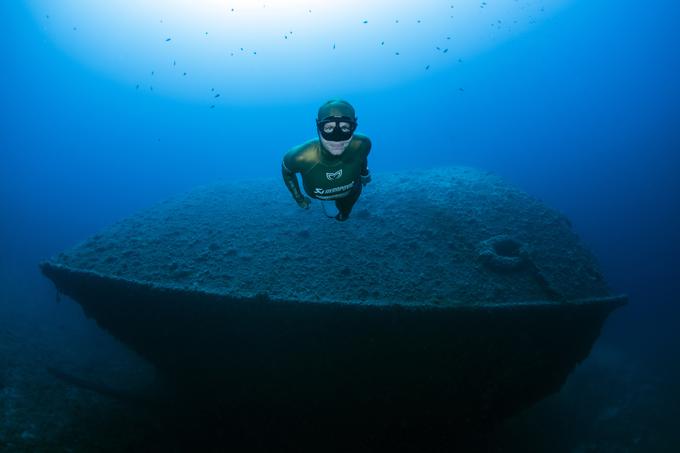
{"x":582,"y":110}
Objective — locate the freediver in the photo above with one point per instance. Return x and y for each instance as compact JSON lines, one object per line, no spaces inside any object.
{"x":334,"y":166}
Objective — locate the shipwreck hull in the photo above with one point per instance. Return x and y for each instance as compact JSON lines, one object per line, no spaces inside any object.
{"x":522,"y":306}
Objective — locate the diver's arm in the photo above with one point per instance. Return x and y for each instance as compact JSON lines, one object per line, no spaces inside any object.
{"x":291,"y":181}
{"x":365,"y":173}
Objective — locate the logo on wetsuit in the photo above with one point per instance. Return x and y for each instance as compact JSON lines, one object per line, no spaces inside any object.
{"x":333,"y":190}
{"x":334,"y":176}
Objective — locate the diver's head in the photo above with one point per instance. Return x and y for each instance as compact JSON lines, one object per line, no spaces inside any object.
{"x":336,"y":123}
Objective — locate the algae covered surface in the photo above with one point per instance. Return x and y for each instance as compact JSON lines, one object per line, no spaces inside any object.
{"x":416,"y":237}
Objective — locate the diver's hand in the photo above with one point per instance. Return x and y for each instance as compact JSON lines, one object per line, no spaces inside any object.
{"x":365,"y":179}
{"x":304,"y":202}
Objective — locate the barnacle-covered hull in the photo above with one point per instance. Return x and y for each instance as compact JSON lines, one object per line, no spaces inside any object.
{"x":448,"y":301}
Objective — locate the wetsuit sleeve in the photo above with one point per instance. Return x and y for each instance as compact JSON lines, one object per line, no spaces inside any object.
{"x":288,"y":170}
{"x":364,"y":165}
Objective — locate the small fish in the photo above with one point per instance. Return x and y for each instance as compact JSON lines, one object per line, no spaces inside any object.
{"x":254,"y":53}
{"x":217,"y":95}
{"x":334,"y":46}
{"x":445,"y":50}
{"x":461,"y":89}
{"x":174,"y":62}
{"x":365,"y":21}
{"x":427,"y":67}
{"x":285,"y":36}
{"x":396,"y":53}
{"x":212,"y":89}
{"x":184,"y":74}
{"x":418,"y":21}
{"x":168,"y":39}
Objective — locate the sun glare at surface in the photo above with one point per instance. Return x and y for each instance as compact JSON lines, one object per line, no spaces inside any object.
{"x":279,"y":49}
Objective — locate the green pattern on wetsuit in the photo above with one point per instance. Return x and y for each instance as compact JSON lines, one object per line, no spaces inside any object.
{"x":324,"y":176}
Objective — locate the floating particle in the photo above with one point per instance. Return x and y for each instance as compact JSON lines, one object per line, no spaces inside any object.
{"x":254,"y":53}
{"x":241,"y":49}
{"x":74,"y":29}
{"x":427,"y":67}
{"x":47,"y":16}
{"x":232,"y":10}
{"x":396,"y":21}
{"x":217,"y":95}
{"x":285,"y":36}
{"x":184,"y":74}
{"x":418,"y":21}
{"x":206,"y":33}
{"x":174,"y":62}
{"x":333,"y":46}
{"x":439,"y":48}
{"x":461,"y":89}
{"x":153,"y":72}
{"x":445,"y":50}
{"x":212,"y":106}
{"x":231,"y":54}
{"x":382,"y":43}
{"x":137,"y":87}
{"x":212,"y":89}
{"x":168,"y":39}
{"x":365,"y":21}
{"x":460,"y":60}
{"x":448,"y":37}
{"x":396,"y":53}
{"x":151,"y":88}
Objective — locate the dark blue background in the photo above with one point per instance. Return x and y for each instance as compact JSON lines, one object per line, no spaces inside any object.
{"x":582,"y":111}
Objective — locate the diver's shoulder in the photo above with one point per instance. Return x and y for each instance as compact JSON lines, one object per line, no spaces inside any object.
{"x":362,"y":139}
{"x":363,"y":143}
{"x":302,"y":155}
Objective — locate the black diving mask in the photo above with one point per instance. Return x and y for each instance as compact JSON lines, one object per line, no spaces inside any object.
{"x":336,"y":128}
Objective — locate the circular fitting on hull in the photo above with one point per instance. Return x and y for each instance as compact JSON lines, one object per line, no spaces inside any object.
{"x":503,"y":253}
